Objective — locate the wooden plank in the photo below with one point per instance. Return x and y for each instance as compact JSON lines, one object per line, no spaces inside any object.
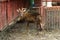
{"x":15,"y":7}
{"x":3,"y":14}
{"x":0,"y":18}
{"x":9,"y":10}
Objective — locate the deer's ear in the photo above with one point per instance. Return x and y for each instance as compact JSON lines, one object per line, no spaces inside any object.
{"x":24,"y":10}
{"x":17,"y":10}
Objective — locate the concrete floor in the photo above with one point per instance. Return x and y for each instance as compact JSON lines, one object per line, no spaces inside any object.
{"x":19,"y":32}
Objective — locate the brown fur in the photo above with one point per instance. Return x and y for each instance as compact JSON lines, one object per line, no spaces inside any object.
{"x":28,"y":17}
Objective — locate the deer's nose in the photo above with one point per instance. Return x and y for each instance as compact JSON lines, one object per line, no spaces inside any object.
{"x":21,"y":14}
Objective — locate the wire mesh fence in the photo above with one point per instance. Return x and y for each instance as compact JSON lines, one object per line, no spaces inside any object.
{"x":53,"y":17}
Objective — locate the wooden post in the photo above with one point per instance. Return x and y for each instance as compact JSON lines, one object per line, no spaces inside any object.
{"x":43,"y":5}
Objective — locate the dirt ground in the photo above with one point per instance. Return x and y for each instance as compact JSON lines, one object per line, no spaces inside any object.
{"x":19,"y":32}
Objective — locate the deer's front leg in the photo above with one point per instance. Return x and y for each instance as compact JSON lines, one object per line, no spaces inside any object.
{"x":27,"y":27}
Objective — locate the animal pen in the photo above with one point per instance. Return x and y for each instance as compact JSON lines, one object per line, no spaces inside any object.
{"x":9,"y":15}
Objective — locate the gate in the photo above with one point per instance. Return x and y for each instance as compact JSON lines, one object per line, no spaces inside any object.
{"x":52,"y":17}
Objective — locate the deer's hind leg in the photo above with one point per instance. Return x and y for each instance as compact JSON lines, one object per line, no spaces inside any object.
{"x":39,"y":27}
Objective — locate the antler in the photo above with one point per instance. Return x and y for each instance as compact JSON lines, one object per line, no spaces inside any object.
{"x":19,"y":10}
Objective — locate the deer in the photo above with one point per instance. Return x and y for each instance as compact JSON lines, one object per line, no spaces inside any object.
{"x":30,"y":16}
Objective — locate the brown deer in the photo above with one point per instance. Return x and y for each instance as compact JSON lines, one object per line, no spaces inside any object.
{"x":30,"y":16}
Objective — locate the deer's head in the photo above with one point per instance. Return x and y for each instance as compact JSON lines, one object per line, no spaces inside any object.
{"x":21,"y":11}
